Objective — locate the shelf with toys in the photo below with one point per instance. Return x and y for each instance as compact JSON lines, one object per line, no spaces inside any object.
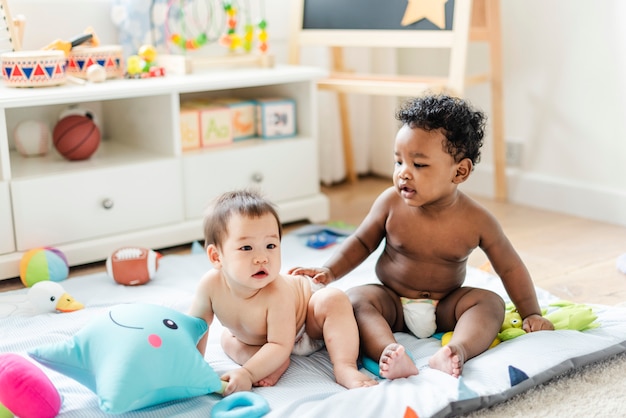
{"x":140,"y":187}
{"x":96,"y":152}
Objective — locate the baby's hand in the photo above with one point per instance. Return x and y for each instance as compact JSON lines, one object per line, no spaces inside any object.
{"x":321,"y":275}
{"x":536,"y":323}
{"x":239,"y":380}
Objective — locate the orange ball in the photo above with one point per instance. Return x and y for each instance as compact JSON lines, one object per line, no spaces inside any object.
{"x":76,"y":137}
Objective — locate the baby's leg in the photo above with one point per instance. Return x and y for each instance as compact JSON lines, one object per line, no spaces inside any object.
{"x":378,"y":313}
{"x":480,"y":315}
{"x":330,"y":316}
{"x":240,"y":353}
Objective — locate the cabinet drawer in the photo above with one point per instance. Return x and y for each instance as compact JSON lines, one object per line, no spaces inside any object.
{"x":7,"y":244}
{"x":282,"y":169}
{"x":65,"y":208}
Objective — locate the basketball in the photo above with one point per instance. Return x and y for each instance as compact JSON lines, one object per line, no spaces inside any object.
{"x":76,"y":137}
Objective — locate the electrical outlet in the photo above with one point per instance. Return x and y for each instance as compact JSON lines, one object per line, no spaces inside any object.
{"x":514,"y":151}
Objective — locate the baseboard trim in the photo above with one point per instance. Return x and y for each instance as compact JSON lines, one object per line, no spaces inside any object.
{"x":555,"y":194}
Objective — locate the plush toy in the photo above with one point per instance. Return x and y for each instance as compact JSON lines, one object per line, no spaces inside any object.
{"x":139,"y":355}
{"x":134,"y":356}
{"x":570,"y":316}
{"x":49,"y":296}
{"x":25,"y":390}
{"x":132,"y":266}
{"x":45,"y":263}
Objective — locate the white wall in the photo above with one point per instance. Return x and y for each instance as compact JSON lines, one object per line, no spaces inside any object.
{"x":565,"y":97}
{"x":565,"y":100}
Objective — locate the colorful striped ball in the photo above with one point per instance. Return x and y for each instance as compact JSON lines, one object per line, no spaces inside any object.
{"x":41,"y":264}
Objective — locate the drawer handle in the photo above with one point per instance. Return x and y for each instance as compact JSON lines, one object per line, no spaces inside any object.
{"x":107,"y":203}
{"x":257,"y":177}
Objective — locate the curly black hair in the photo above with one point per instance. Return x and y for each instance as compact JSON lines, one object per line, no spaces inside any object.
{"x":462,"y":125}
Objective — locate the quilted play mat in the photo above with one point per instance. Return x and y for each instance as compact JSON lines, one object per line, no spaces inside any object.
{"x":63,"y":341}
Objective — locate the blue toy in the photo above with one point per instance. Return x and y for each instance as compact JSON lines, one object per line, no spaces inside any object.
{"x":241,"y":405}
{"x":140,"y":355}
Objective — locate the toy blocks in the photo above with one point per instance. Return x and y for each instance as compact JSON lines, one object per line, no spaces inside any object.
{"x":189,"y":128}
{"x":242,"y":114}
{"x":207,"y":123}
{"x":204,"y":124}
{"x":276,"y":118}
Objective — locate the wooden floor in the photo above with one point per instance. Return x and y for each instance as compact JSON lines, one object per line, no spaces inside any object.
{"x":571,"y":257}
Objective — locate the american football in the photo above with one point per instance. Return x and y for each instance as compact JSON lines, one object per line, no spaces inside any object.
{"x":132,"y":266}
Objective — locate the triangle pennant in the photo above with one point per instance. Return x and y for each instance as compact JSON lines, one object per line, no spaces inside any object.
{"x":27,"y":71}
{"x":39,"y":70}
{"x":16,"y":71}
{"x":464,"y":391}
{"x":410,"y":413}
{"x":516,"y":375}
{"x":49,"y":71}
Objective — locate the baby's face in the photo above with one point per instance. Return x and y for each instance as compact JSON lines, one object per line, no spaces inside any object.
{"x":424,"y":171}
{"x":251,"y":252}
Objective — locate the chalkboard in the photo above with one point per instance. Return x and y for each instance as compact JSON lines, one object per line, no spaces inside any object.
{"x":365,"y":15}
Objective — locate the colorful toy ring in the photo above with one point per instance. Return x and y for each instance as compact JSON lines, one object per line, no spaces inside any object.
{"x":241,"y":405}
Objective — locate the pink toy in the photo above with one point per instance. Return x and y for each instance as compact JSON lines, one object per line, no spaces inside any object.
{"x":25,"y":390}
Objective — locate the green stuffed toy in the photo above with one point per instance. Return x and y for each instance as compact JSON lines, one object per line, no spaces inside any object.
{"x":572,"y":316}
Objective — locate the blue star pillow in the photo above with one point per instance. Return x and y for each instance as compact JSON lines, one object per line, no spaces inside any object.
{"x":135,"y":356}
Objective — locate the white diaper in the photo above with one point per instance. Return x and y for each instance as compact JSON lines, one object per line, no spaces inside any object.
{"x":419,"y":316}
{"x":305,"y":345}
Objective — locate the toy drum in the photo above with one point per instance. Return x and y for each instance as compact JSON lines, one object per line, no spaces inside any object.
{"x":110,"y":57}
{"x":33,"y":68}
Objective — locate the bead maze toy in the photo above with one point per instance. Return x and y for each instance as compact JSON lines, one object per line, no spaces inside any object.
{"x":193,"y":25}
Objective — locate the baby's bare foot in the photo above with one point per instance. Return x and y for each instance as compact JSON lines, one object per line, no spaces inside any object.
{"x":395,"y":363}
{"x":273,"y":377}
{"x":448,"y":359}
{"x":349,"y":377}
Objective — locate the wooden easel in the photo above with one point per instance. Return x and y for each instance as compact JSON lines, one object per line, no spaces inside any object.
{"x":479,"y":21}
{"x":11,"y":29}
{"x":485,"y":27}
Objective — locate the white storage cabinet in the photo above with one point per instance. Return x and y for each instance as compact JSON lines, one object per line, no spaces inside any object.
{"x":140,"y":188}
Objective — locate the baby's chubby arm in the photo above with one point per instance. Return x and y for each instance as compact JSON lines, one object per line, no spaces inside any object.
{"x":321,"y":275}
{"x":201,"y":307}
{"x":515,"y":276}
{"x":536,"y":322}
{"x":355,"y":248}
{"x":281,"y":325}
